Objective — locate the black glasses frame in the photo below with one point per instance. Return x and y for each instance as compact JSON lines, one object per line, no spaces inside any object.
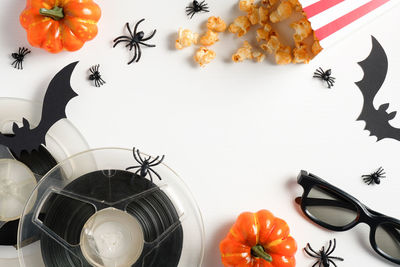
{"x":364,"y":214}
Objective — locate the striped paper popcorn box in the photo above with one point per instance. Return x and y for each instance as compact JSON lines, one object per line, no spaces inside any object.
{"x":333,"y":20}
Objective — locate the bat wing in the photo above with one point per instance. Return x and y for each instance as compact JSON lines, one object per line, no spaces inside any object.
{"x":375,"y":68}
{"x":58,"y":94}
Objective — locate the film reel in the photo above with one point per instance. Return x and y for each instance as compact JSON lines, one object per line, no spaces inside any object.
{"x":19,"y":176}
{"x":105,"y":216}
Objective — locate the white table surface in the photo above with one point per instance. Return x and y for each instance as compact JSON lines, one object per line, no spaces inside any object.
{"x":238,"y":134}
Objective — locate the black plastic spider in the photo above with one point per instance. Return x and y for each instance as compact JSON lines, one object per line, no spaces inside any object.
{"x":134,"y":41}
{"x":374,"y":177}
{"x":325,"y":76}
{"x":196,"y":7}
{"x":146,"y":165}
{"x":323,"y":256}
{"x":96,"y":76}
{"x":19,"y":57}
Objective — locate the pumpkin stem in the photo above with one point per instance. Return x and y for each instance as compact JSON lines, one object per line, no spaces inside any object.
{"x":259,"y":252}
{"x":55,"y":13}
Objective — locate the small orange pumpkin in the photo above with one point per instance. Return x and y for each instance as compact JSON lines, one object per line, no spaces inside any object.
{"x":55,"y":25}
{"x":258,"y":240}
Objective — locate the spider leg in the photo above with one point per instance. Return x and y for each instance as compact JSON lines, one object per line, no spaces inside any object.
{"x":135,"y":55}
{"x":366,"y":180}
{"x":102,"y":81}
{"x":157,"y":163}
{"x":120,"y":41}
{"x":27,"y":51}
{"x":139,"y":54}
{"x":336,"y":258}
{"x":151,"y":170}
{"x":138,"y":159}
{"x":151,"y":177}
{"x":156,"y":158}
{"x":321,"y":70}
{"x":121,"y":37}
{"x":136,"y":26}
{"x":192,"y":14}
{"x":309,"y":246}
{"x":329,"y":247}
{"x":331,"y":261}
{"x":317,"y":76}
{"x":20,"y":65}
{"x":132,"y":167}
{"x":148,"y":45}
{"x":329,"y":252}
{"x":14,"y":63}
{"x":315,"y":264}
{"x":129,"y":28}
{"x":329,"y":85}
{"x":150,"y":36}
{"x":316,"y":255}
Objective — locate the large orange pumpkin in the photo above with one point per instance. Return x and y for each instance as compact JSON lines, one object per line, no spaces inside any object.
{"x":55,"y":25}
{"x":258,"y":240}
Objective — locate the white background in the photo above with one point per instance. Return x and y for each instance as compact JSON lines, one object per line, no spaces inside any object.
{"x":238,"y":134}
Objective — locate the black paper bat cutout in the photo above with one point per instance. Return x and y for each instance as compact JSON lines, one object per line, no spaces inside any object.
{"x":58,"y":94}
{"x":375,"y":68}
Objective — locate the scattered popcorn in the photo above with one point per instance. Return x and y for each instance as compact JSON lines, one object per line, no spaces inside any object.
{"x":240,"y":26}
{"x":300,"y":54}
{"x":272,"y":2}
{"x":216,"y":24}
{"x":204,"y":56}
{"x":273,"y":43}
{"x":263,"y":15}
{"x":209,"y":38}
{"x":283,"y":55}
{"x":185,"y":38}
{"x":243,"y":53}
{"x":246,"y":5}
{"x":297,"y":6}
{"x":263,"y":33}
{"x":253,"y":15}
{"x":258,"y":56}
{"x":282,"y":12}
{"x":316,"y":47}
{"x":302,"y":29}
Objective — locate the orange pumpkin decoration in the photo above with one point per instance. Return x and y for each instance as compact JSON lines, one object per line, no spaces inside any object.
{"x":55,"y":25}
{"x":258,"y":240}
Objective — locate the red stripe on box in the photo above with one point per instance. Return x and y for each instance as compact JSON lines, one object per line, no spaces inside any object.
{"x":345,"y":20}
{"x":320,"y":6}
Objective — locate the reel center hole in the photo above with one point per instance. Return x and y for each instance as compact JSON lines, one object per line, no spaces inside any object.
{"x":112,"y":237}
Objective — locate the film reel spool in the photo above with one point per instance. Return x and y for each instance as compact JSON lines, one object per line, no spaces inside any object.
{"x":62,"y":141}
{"x":112,"y":217}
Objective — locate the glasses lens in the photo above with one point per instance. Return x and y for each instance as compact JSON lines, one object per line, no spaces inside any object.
{"x":330,"y":208}
{"x":387,"y":239}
